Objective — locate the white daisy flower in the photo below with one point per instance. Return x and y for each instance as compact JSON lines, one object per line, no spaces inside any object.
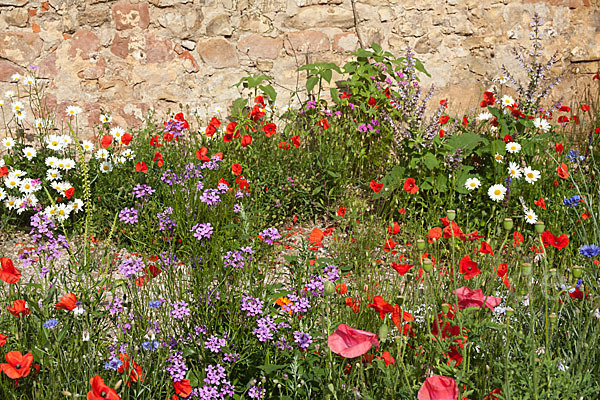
{"x":60,"y":163}
{"x":541,"y":124}
{"x":40,"y":123}
{"x":66,"y":139}
{"x":18,"y":173}
{"x":120,"y":160}
{"x":10,"y":94}
{"x":20,"y":115}
{"x":31,"y":200}
{"x":29,"y":153}
{"x":530,"y":217}
{"x":54,"y":142}
{"x":531,"y":175}
{"x":29,"y":81}
{"x":69,"y":164}
{"x":501,"y":79}
{"x":484,"y":116}
{"x":26,"y":187}
{"x":15,"y":77}
{"x":56,"y":186}
{"x":514,"y":171}
{"x":8,"y":142}
{"x":11,"y":202}
{"x":102,"y":154}
{"x":202,"y":131}
{"x":507,"y":101}
{"x":472,"y":183}
{"x":63,"y":186}
{"x":513,"y":147}
{"x":47,"y":123}
{"x":1,"y":103}
{"x":87,"y":146}
{"x":129,"y":154}
{"x":11,"y":181}
{"x":499,"y":158}
{"x":105,"y":167}
{"x":17,"y":106}
{"x":2,"y":194}
{"x":218,"y":110}
{"x":62,"y":212}
{"x":497,"y":192}
{"x":51,"y":161}
{"x":53,"y":174}
{"x":105,"y":118}
{"x":117,"y":132}
{"x":50,"y":211}
{"x":76,"y":205}
{"x":73,"y":111}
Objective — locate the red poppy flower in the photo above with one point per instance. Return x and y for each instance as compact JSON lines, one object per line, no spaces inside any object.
{"x":67,"y":302}
{"x":576,"y":119}
{"x":183,"y":388}
{"x":296,"y":141}
{"x":284,"y":145}
{"x":349,"y":342}
{"x":486,"y":248}
{"x":492,"y":394}
{"x":341,"y":288}
{"x":179,"y":117}
{"x":468,"y":268}
{"x":18,"y":309}
{"x":394,"y":229}
{"x":134,"y":370}
{"x":402,"y":268}
{"x":559,"y":148}
{"x":389,"y":245}
{"x":3,"y":339}
{"x":69,"y":192}
{"x":159,"y":159}
{"x":381,"y":306}
{"x":270,"y":129}
{"x":3,"y":171}
{"x":126,"y":139}
{"x":341,"y":211}
{"x":210,"y":130}
{"x":563,"y":119}
{"x":434,"y":234}
{"x":387,"y":358}
{"x":540,"y":203}
{"x":100,"y":391}
{"x":246,"y":140}
{"x":442,"y":133}
{"x":141,"y":167}
{"x":215,"y":122}
{"x":397,"y":312}
{"x":410,"y":186}
{"x":475,"y":298}
{"x":324,"y":123}
{"x":502,"y":270}
{"x":444,"y":119}
{"x":465,"y":121}
{"x":518,"y":238}
{"x":17,"y":365}
{"x":585,"y":107}
{"x":372,"y":102}
{"x":387,"y":93}
{"x":508,"y":139}
{"x":9,"y":273}
{"x":488,"y":99}
{"x":565,"y":109}
{"x":155,"y":141}
{"x":563,"y":171}
{"x":452,"y":229}
{"x":201,"y":154}
{"x":402,"y":211}
{"x":236,"y":169}
{"x":560,"y":242}
{"x":106,"y":141}
{"x":345,"y":95}
{"x":438,"y":388}
{"x":376,"y":186}
{"x":316,"y":238}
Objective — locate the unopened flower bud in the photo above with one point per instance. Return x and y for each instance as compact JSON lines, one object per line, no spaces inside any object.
{"x":383,"y":332}
{"x":451,"y":214}
{"x":577,"y":271}
{"x":552,"y":318}
{"x":420,"y":244}
{"x":427,"y":265}
{"x":508,"y":224}
{"x":540,"y":227}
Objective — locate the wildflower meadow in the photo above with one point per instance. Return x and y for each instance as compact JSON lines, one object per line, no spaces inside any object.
{"x":363,"y":242}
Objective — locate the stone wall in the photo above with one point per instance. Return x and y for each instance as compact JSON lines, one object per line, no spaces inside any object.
{"x":129,"y":56}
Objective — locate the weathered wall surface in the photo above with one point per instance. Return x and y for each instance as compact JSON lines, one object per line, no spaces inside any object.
{"x":128,"y":56}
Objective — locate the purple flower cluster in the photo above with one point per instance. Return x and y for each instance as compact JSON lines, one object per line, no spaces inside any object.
{"x":331,"y":272}
{"x":41,"y":226}
{"x":252,"y":306}
{"x":265,"y":329}
{"x":256,"y":392}
{"x":129,"y":216}
{"x":303,"y":340}
{"x":142,"y":191}
{"x":315,"y":285}
{"x":234,"y":259}
{"x":174,"y":127}
{"x":131,"y":267}
{"x":115,"y":306}
{"x":210,"y":197}
{"x":180,"y":310}
{"x":177,"y":369}
{"x":202,"y":230}
{"x":231,"y":357}
{"x":298,"y":304}
{"x":269,"y":235}
{"x":164,"y":221}
{"x":215,"y":343}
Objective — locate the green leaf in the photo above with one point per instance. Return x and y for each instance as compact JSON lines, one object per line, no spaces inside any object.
{"x":430,"y":161}
{"x":335,"y":95}
{"x":461,"y":178}
{"x":316,"y":190}
{"x":420,"y":67}
{"x":311,"y":82}
{"x":466,"y":141}
{"x":327,"y":74}
{"x":271,"y":368}
{"x":268,"y":89}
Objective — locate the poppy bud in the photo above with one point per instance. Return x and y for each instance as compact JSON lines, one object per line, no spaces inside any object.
{"x":383,"y":332}
{"x":445,"y":308}
{"x":328,"y":288}
{"x":420,"y":244}
{"x":427,"y":265}
{"x":510,"y":311}
{"x":451,"y":214}
{"x":577,"y":271}
{"x":540,"y":227}
{"x":526,"y":269}
{"x":552,"y":318}
{"x":508,"y":224}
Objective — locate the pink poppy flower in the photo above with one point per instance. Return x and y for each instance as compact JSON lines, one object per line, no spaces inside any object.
{"x":438,"y":388}
{"x":349,"y":342}
{"x":475,"y":298}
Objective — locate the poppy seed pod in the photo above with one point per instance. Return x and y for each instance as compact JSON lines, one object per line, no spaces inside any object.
{"x":451,"y":214}
{"x":427,"y":265}
{"x":383,"y":332}
{"x":540,"y":227}
{"x":552,"y":318}
{"x":420,"y":244}
{"x":328,"y":288}
{"x":577,"y":271}
{"x":508,"y":224}
{"x":526,"y":269}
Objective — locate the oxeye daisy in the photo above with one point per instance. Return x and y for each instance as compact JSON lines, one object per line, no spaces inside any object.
{"x":87,"y":146}
{"x":497,"y":192}
{"x":11,"y":202}
{"x":66,"y":139}
{"x":29,"y":81}
{"x":69,"y":164}
{"x":26,"y":187}
{"x":117,"y":132}
{"x":128,"y":154}
{"x":499,"y":158}
{"x":18,"y":173}
{"x":8,"y":142}
{"x":507,"y":101}
{"x":513,"y":147}
{"x":20,"y":115}
{"x":541,"y":124}
{"x":501,"y":79}
{"x":17,"y":106}
{"x":54,"y":142}
{"x":102,"y":154}
{"x":10,"y":94}
{"x":105,"y":118}
{"x":51,"y":161}
{"x":531,"y":175}
{"x":73,"y":111}
{"x":12,"y":182}
{"x":39,"y":123}
{"x":15,"y":77}
{"x":484,"y":116}
{"x":472,"y":183}
{"x":29,"y":153}
{"x":76,"y":205}
{"x":514,"y":171}
{"x":530,"y":217}
{"x":105,"y":167}
{"x":53,"y":174}
{"x":50,"y":211}
{"x":2,"y":194}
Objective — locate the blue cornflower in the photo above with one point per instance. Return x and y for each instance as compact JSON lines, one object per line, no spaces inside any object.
{"x":589,"y":250}
{"x":151,"y":345}
{"x":155,"y":304}
{"x":572,"y":201}
{"x":114,"y":364}
{"x":51,"y":324}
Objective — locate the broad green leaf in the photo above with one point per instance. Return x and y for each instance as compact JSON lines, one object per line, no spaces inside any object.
{"x":430,"y":161}
{"x":311,"y":82}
